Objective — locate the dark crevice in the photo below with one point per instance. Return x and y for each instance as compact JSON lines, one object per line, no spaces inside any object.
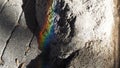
{"x":31,"y":41}
{"x":29,"y":44}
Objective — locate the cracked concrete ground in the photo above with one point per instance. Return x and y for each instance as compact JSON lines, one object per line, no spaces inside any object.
{"x":18,"y":42}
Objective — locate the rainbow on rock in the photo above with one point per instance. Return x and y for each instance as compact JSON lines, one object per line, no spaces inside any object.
{"x":47,"y":31}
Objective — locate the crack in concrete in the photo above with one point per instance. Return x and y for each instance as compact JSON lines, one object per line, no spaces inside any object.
{"x":7,"y":44}
{"x":29,"y":45}
{"x":2,"y":61}
{"x":22,"y":64}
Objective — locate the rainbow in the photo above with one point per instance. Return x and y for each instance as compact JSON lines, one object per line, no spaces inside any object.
{"x":47,"y":32}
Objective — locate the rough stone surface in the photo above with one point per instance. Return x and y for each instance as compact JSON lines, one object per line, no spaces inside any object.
{"x":85,"y":36}
{"x":84,"y":33}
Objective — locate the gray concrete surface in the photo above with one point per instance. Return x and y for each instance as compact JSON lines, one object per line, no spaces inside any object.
{"x":18,"y":44}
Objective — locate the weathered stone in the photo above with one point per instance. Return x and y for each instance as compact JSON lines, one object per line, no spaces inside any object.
{"x":82,"y":27}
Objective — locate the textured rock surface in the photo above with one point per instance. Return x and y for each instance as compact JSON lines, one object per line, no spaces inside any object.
{"x":84,"y":33}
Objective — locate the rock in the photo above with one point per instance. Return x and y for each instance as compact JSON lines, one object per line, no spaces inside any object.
{"x":76,"y":33}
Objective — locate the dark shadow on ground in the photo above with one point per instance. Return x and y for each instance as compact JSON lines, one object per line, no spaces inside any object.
{"x":30,"y":16}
